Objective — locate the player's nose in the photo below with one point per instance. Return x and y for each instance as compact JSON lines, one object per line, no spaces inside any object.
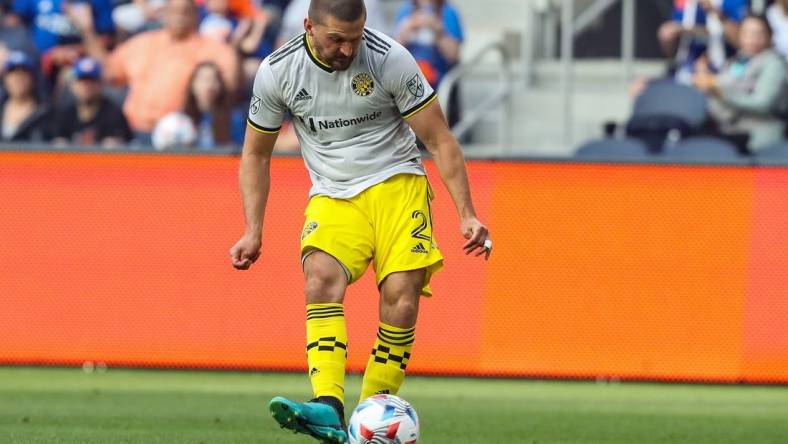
{"x":346,"y":49}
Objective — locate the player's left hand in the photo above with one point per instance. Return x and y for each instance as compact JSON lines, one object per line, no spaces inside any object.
{"x":478,"y":237}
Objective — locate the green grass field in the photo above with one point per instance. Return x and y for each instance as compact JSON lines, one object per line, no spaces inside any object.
{"x":39,"y":405}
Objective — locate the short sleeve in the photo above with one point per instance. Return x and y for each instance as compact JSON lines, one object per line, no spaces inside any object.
{"x":266,"y":109}
{"x":403,"y":78}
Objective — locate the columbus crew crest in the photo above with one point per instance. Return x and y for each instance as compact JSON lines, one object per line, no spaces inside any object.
{"x":308,"y":229}
{"x":362,"y":84}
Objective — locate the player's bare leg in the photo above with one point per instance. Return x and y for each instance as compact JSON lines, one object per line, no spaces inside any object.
{"x":399,"y":308}
{"x":325,"y":279}
{"x":400,"y":294}
{"x":323,"y":417}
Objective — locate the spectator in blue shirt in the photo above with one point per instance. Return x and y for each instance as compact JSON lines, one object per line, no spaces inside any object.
{"x":14,"y":36}
{"x":51,"y":23}
{"x":432,"y":32}
{"x":729,"y":12}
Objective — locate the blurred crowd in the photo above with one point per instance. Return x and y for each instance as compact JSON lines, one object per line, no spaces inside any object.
{"x":166,"y":73}
{"x":734,"y":53}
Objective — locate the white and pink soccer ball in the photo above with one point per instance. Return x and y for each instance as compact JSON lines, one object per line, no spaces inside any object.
{"x":173,"y":131}
{"x":384,"y":419}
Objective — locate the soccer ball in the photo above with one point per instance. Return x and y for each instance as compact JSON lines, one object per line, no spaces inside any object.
{"x":384,"y":419}
{"x":174,"y":130}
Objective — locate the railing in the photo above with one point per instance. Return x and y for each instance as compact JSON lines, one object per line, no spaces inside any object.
{"x":571,"y":26}
{"x":501,"y":98}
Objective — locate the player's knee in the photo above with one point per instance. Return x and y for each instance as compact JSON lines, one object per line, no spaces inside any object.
{"x":324,"y":287}
{"x":402,"y":314}
{"x":407,"y":306}
{"x":326,"y":280}
{"x":400,"y":308}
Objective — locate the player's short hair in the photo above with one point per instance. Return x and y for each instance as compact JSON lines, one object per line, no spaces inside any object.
{"x":344,"y":10}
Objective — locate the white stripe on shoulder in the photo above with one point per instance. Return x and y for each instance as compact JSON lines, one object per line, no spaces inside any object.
{"x":287,"y":46}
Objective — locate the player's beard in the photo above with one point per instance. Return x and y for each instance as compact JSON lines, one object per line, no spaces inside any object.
{"x":341,"y":63}
{"x":338,"y":62}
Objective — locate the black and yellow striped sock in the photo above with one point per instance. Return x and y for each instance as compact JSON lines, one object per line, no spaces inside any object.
{"x":326,"y":349}
{"x":386,"y":366}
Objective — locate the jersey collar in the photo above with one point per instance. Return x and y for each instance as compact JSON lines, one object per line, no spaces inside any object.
{"x":313,"y":55}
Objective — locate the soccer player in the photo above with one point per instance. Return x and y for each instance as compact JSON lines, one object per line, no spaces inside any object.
{"x":357,"y":97}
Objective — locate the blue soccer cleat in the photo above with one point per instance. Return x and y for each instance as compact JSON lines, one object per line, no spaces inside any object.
{"x":315,"y":418}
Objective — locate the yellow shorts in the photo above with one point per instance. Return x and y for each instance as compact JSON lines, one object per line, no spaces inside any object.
{"x":389,"y":223}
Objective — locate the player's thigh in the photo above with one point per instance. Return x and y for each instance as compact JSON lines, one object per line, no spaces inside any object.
{"x":404,"y":238}
{"x":340,"y":230}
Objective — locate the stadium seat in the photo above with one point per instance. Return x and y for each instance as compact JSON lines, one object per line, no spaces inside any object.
{"x":613,"y":149}
{"x":774,"y":155}
{"x":667,"y":98}
{"x":704,"y":149}
{"x":666,"y":108}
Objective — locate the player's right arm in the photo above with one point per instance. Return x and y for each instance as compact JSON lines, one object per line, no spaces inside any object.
{"x":266,"y":112}
{"x":255,"y":180}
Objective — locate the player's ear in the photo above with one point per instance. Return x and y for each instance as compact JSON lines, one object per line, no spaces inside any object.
{"x":308,"y":25}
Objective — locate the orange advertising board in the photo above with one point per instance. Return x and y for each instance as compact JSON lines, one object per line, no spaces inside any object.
{"x":617,"y":271}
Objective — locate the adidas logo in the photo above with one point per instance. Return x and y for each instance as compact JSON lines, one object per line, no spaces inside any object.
{"x":302,"y":95}
{"x":419,"y":248}
{"x":314,"y":371}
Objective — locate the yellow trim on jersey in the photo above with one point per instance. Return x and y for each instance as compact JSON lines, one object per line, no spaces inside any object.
{"x":314,"y":54}
{"x":429,"y":100}
{"x":261,"y":129}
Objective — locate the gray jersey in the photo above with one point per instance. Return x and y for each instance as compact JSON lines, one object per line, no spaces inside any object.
{"x":350,"y":123}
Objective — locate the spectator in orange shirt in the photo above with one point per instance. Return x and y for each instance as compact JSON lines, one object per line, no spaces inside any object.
{"x":156,"y":65}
